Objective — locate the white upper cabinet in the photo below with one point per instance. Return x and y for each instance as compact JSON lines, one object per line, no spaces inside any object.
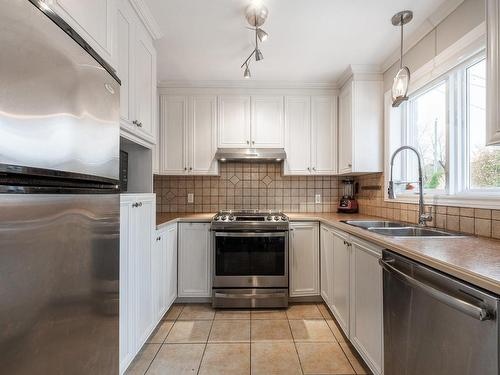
{"x":136,"y":68}
{"x":267,"y":122}
{"x":125,"y":24}
{"x":297,"y":135}
{"x":145,"y":84}
{"x":361,"y":126}
{"x":311,"y":135}
{"x":324,"y":135}
{"x":202,"y":135}
{"x":493,"y":72}
{"x":304,"y":259}
{"x":251,"y":121}
{"x":93,"y":20}
{"x":188,"y":134}
{"x":234,"y":121}
{"x":173,"y":128}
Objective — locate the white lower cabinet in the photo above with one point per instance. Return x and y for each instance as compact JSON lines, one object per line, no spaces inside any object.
{"x":351,"y":286}
{"x":340,"y":291}
{"x":195,"y":260}
{"x":304,"y":259}
{"x":366,"y":321}
{"x":137,"y":221}
{"x":164,"y":265}
{"x":326,"y":261}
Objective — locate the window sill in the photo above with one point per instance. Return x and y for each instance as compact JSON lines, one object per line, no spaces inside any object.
{"x":473,"y":200}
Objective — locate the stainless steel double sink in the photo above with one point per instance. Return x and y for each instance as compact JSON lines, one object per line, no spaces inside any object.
{"x":398,"y":229}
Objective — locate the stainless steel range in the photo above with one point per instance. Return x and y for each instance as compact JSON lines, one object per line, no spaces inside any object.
{"x":250,"y":259}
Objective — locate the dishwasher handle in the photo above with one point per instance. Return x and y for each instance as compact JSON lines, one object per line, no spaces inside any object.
{"x":474,"y":311}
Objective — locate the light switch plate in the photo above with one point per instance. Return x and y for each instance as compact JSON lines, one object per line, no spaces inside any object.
{"x":317,"y":198}
{"x":190,"y":198}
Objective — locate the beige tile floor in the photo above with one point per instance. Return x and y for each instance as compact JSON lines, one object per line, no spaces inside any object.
{"x":196,"y":339}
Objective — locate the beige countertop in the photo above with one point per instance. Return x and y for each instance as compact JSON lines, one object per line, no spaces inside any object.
{"x":473,"y":259}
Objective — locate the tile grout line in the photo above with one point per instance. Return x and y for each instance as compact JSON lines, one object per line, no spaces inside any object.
{"x":338,"y":342}
{"x":163,"y":342}
{"x":295,"y":345}
{"x":206,"y":344}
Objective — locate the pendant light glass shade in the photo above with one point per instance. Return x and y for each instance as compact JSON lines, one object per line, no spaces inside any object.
{"x":400,"y":86}
{"x":402,"y":80}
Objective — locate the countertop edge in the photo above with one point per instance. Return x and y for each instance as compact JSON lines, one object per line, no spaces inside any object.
{"x":474,"y":278}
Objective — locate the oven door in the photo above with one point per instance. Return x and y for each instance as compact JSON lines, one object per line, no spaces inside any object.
{"x":250,"y":259}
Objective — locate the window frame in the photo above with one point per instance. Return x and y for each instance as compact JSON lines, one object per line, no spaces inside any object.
{"x":458,"y":191}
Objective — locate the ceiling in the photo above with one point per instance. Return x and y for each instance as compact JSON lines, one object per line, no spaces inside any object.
{"x":310,"y":40}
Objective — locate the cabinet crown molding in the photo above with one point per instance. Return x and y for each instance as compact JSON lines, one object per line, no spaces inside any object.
{"x":360,"y":72}
{"x":147,"y":18}
{"x":247,"y":84}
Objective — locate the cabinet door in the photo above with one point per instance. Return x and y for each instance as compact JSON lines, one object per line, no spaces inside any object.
{"x":125,"y":24}
{"x":143,"y":223}
{"x":94,"y":20}
{"x":202,"y":135}
{"x":156,"y":270}
{"x":173,"y":119}
{"x":234,"y":121}
{"x":366,"y":326}
{"x":326,"y":261}
{"x":304,"y":259}
{"x":195,"y":259}
{"x":324,"y":135}
{"x":144,"y":83}
{"x":340,"y":295}
{"x":267,"y":122}
{"x":170,"y":238}
{"x":127,"y":305}
{"x":493,"y":72}
{"x":345,"y":129}
{"x":297,"y":135}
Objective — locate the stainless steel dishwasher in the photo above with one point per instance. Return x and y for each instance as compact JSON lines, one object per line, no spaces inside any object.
{"x":435,"y":324}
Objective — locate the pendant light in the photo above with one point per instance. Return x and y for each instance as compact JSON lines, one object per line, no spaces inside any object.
{"x":402,"y":78}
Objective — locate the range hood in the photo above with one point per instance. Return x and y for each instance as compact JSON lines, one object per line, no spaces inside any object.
{"x":251,"y":154}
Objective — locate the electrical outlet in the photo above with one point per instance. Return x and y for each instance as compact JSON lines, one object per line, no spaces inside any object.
{"x":317,"y":198}
{"x":190,"y":198}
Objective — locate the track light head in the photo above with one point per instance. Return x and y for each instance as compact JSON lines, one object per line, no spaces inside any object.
{"x":262,"y":35}
{"x":258,"y":55}
{"x":247,"y":74}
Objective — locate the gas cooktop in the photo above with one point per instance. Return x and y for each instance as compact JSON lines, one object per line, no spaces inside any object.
{"x":251,"y":219}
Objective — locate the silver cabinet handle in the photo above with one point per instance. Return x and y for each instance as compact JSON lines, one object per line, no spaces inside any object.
{"x":314,"y":168}
{"x":185,"y":168}
{"x":467,"y":308}
{"x":137,"y":123}
{"x":140,"y":204}
{"x":349,"y":165}
{"x":190,"y":168}
{"x":253,"y":142}
{"x":309,"y":169}
{"x":248,"y":142}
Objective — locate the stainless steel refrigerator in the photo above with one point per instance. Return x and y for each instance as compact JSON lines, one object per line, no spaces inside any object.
{"x":59,"y":201}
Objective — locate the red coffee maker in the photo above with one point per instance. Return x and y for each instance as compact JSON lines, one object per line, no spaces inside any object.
{"x":348,"y":203}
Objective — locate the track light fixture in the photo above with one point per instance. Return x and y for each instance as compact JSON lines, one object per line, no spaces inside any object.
{"x":256,"y":15}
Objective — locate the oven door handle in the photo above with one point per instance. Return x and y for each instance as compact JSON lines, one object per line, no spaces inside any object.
{"x":250,"y":234}
{"x":249,"y":295}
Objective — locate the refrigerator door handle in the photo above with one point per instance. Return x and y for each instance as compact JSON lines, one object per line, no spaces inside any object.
{"x":474,"y":311}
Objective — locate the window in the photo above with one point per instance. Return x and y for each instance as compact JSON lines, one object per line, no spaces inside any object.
{"x":483,"y":161}
{"x":446,"y":122}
